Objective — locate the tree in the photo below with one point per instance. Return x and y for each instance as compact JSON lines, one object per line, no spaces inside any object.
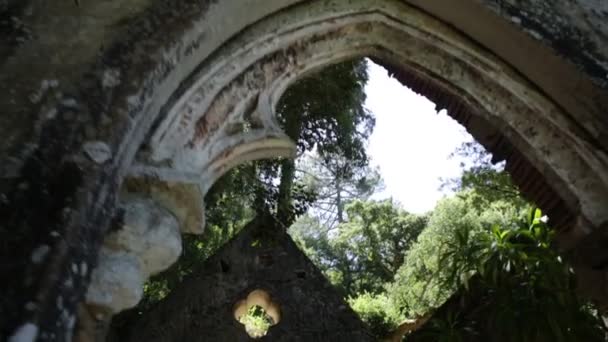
{"x":488,"y":179}
{"x":494,"y":266}
{"x":366,"y":251}
{"x":324,"y":112}
{"x":514,"y":287}
{"x":377,"y":312}
{"x":419,"y":285}
{"x":484,"y":196}
{"x":336,"y":182}
{"x":362,"y":255}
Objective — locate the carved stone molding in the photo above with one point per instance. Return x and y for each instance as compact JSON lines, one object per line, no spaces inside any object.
{"x":147,"y":243}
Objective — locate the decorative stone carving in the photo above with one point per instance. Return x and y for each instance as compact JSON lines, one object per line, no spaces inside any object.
{"x":229,"y":102}
{"x":181,"y":198}
{"x":148,"y":242}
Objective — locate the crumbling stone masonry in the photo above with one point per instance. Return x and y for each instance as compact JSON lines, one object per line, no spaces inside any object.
{"x":111,"y":108}
{"x":262,"y":257}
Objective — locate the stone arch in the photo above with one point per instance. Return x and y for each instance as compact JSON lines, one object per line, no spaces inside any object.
{"x":199,"y":99}
{"x":197,"y":137}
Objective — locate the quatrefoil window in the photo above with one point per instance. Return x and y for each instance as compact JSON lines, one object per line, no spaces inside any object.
{"x":257,"y":313}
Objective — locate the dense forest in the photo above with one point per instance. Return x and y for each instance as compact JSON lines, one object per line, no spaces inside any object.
{"x":479,"y":266}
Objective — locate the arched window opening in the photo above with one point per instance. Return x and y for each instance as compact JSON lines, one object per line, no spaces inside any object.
{"x":196,"y":136}
{"x":257,"y":313}
{"x":403,"y":245}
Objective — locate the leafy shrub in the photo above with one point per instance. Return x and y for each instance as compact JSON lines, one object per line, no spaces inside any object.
{"x":377,"y":312}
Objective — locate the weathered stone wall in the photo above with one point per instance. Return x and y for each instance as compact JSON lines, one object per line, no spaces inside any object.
{"x":577,"y":30}
{"x":83,"y":83}
{"x":262,"y":256}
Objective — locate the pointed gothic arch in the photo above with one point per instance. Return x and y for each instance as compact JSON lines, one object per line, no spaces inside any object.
{"x":190,"y":90}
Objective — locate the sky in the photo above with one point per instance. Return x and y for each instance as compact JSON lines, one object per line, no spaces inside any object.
{"x":411,"y":142}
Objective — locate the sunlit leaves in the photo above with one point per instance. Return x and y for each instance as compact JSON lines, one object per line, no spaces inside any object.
{"x":377,"y":312}
{"x":363,"y":253}
{"x":516,"y":285}
{"x":256,"y":321}
{"x":330,"y":107}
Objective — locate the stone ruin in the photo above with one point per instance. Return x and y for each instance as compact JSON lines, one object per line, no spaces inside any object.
{"x":261,"y":260}
{"x":118,"y":116}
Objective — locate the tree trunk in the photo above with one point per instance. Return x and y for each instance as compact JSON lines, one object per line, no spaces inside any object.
{"x":284,"y":205}
{"x":339,"y":203}
{"x":293,"y":125}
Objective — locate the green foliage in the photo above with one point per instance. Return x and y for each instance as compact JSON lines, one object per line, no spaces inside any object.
{"x":420,"y":284}
{"x":489,"y":182}
{"x":324,"y":112}
{"x":516,"y":286}
{"x":491,"y":259}
{"x":326,"y":109}
{"x":363,"y":253}
{"x":269,"y":194}
{"x":377,"y":312}
{"x":336,"y":182}
{"x":256,"y":322}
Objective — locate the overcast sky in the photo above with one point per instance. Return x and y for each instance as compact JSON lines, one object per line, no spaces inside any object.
{"x":411,"y":142}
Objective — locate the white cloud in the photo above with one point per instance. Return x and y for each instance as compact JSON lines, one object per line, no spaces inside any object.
{"x":411,"y":142}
